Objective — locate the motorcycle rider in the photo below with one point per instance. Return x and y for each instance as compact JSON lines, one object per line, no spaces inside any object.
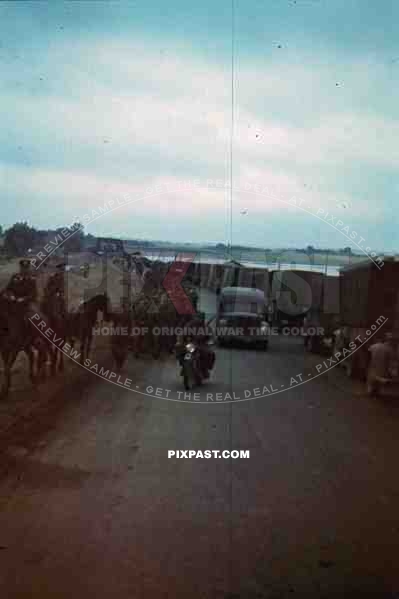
{"x":196,"y":332}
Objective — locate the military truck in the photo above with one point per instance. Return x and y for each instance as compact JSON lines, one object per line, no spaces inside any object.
{"x":294,"y":293}
{"x":322,"y":320}
{"x":369,"y":307}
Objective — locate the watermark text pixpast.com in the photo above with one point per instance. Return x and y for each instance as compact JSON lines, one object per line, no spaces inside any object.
{"x":209,"y":453}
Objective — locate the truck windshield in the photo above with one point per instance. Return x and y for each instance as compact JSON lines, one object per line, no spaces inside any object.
{"x":241,"y":305}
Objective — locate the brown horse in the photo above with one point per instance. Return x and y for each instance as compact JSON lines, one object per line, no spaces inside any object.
{"x":18,"y":334}
{"x":81,"y":324}
{"x":54,"y":310}
{"x":121,"y":336}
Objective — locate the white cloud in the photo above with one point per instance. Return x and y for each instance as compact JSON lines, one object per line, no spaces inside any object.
{"x":173,"y":113}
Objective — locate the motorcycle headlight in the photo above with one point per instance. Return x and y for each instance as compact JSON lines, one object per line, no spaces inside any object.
{"x":264,"y":327}
{"x":190,"y":348}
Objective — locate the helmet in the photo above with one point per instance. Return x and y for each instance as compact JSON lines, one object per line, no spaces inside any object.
{"x":24,"y":263}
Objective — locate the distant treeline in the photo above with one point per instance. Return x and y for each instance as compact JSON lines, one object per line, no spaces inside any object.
{"x":310,"y":250}
{"x":21,"y":237}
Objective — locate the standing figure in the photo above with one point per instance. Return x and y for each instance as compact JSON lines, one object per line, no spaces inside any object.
{"x":382,"y":356}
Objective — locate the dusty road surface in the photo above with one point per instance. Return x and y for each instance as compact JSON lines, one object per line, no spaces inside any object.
{"x":93,"y":507}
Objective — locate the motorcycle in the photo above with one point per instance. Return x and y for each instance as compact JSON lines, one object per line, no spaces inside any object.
{"x":192,"y":371}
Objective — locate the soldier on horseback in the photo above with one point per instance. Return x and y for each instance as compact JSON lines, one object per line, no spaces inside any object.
{"x":17,"y":304}
{"x":21,"y":290}
{"x":56,"y":283}
{"x":54,"y":292}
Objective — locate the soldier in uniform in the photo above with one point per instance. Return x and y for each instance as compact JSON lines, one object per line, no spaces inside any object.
{"x":21,"y":291}
{"x":54,"y":292}
{"x":197,"y":331}
{"x":56,"y":283}
{"x":379,"y":371}
{"x":22,"y":287}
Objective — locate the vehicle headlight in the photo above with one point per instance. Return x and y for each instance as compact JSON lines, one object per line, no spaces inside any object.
{"x":190,"y":347}
{"x":264,"y":327}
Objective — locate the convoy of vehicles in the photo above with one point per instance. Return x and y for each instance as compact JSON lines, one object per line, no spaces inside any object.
{"x":365,"y":296}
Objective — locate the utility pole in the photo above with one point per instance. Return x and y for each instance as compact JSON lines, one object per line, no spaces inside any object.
{"x":326,"y":264}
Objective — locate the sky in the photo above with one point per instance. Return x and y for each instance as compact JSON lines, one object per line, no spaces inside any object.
{"x":292,"y":98}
